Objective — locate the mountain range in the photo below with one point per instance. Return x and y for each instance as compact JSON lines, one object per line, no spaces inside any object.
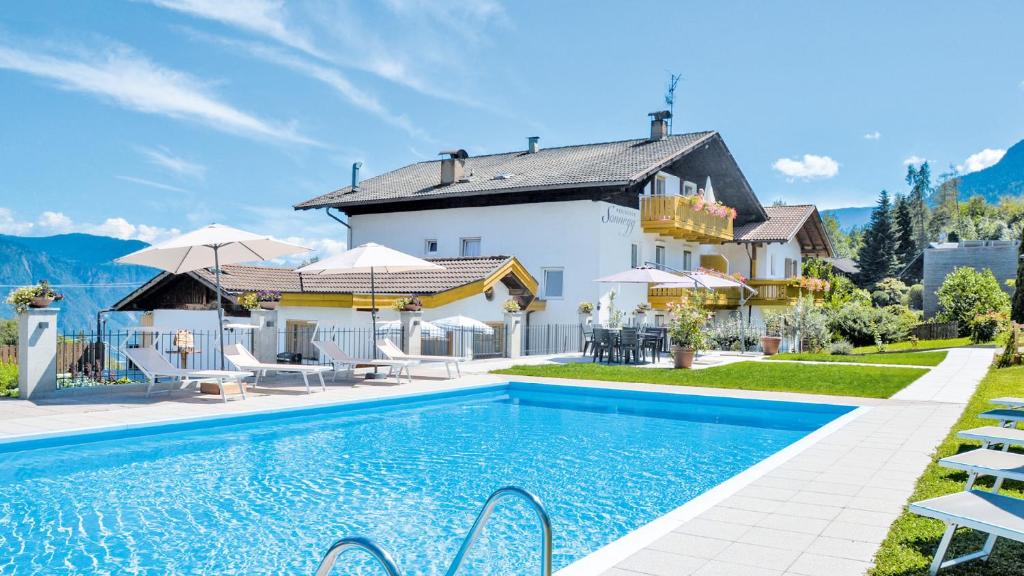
{"x":1004,"y":178}
{"x":80,"y":266}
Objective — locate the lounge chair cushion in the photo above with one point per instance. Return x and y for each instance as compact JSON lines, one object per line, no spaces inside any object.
{"x":984,"y":511}
{"x":988,"y":462}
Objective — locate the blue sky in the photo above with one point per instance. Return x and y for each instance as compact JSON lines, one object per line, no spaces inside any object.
{"x":137,"y":118}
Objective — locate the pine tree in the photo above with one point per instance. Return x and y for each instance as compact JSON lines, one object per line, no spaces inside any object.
{"x":906,"y":247}
{"x":920,"y":182}
{"x":1017,"y":309}
{"x":877,"y":255}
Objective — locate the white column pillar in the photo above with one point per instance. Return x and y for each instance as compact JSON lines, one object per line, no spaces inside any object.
{"x":37,"y":352}
{"x":264,"y":338}
{"x":514,"y":333}
{"x":412,"y":331}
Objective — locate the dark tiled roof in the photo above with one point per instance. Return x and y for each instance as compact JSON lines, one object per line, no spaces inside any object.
{"x":781,"y":226}
{"x":610,"y":163}
{"x":236,"y":279}
{"x":847,"y":266}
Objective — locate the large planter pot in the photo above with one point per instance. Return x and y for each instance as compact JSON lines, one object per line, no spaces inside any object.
{"x":269,"y":305}
{"x":585,"y":319}
{"x":683,"y":357}
{"x":770,"y":344}
{"x":412,"y":307}
{"x":40,"y":302}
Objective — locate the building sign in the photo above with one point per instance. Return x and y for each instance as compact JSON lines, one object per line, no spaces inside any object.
{"x":624,"y":218}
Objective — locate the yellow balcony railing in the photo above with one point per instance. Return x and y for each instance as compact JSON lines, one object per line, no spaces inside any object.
{"x":676,"y":216}
{"x":769,"y":293}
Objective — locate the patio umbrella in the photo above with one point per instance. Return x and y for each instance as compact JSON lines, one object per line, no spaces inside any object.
{"x":705,"y":280}
{"x":211,"y":246}
{"x":460,"y":322}
{"x":642,"y":275}
{"x":372,"y":258}
{"x":428,"y":329}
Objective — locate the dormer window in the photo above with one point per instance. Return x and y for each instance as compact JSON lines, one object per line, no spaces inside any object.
{"x":659,"y":186}
{"x":687,"y":188}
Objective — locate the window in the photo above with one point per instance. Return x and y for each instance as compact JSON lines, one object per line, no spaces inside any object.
{"x":687,"y":188}
{"x":553,"y":282}
{"x":634,"y":255}
{"x":771,"y":270}
{"x":796,"y":268}
{"x":659,"y":255}
{"x":430,"y":247}
{"x":470,"y":247}
{"x":687,"y":260}
{"x":659,"y":186}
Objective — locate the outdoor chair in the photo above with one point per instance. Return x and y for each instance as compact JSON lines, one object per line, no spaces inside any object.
{"x":588,"y":338}
{"x":156,"y":367}
{"x":342,"y":362}
{"x":242,"y":359}
{"x":393,"y":352}
{"x":604,"y":343}
{"x":629,"y":345}
{"x":651,"y":340}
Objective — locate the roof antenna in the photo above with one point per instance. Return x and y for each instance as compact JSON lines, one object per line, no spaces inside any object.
{"x":670,"y":97}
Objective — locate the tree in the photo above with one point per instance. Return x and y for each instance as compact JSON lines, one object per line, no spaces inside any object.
{"x":8,"y":332}
{"x":877,"y":255}
{"x":920,"y":182}
{"x":906,"y":247}
{"x":967,"y":293}
{"x":844,"y":244}
{"x":1017,"y":313}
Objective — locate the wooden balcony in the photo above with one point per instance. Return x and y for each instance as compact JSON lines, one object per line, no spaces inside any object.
{"x":769,"y":293}
{"x":674,"y":216}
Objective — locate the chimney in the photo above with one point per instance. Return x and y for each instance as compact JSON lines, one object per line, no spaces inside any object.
{"x":659,"y":124}
{"x":355,"y":175}
{"x":532,"y":144}
{"x":453,"y":168}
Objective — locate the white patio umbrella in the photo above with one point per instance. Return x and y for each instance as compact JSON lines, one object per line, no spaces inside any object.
{"x":642,"y":275}
{"x":705,"y":280}
{"x":372,"y":258}
{"x":209,"y":247}
{"x":460,"y":322}
{"x":428,"y":329}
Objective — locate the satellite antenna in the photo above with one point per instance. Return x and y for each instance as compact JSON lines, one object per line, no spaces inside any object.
{"x":670,"y":96}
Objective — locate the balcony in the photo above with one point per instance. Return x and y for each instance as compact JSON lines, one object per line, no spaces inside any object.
{"x":676,"y":216}
{"x":781,"y":292}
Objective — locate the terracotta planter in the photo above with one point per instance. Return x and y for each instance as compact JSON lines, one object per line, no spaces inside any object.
{"x":412,"y":307}
{"x":770,"y":344}
{"x":40,"y":302}
{"x":268,"y":305}
{"x":683,"y":357}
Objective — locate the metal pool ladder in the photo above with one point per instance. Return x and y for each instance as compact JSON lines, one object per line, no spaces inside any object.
{"x":388,"y":564}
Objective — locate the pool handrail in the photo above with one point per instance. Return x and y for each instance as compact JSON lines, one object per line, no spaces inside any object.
{"x":360,"y":543}
{"x":485,"y":515}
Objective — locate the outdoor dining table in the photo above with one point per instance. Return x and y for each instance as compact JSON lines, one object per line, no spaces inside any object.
{"x":645,"y":335}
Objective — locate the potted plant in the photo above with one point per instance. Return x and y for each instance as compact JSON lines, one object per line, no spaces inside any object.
{"x":614,"y":314}
{"x":268,"y":299}
{"x":411,"y":304}
{"x":249,"y":301}
{"x":640,"y":313}
{"x":39,"y":296}
{"x":687,"y":319}
{"x":773,"y":324}
{"x":585,"y":309}
{"x":512,"y":305}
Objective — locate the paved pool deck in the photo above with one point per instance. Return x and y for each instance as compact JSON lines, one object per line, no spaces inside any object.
{"x":820,"y":509}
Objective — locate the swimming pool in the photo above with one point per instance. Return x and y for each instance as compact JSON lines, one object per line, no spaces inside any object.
{"x":267,"y":494}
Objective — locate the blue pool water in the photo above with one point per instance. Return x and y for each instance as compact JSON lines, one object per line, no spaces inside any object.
{"x":267,"y":495}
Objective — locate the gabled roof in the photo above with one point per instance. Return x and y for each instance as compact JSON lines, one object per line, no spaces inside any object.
{"x":847,"y":266}
{"x":785,"y":223}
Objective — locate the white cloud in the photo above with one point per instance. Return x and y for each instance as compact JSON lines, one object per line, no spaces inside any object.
{"x":810,"y":167}
{"x":55,"y":222}
{"x":914,"y":160}
{"x":50,"y":223}
{"x":162,"y":157}
{"x":121,"y":228}
{"x":134,"y":82}
{"x":152,"y":184}
{"x":10,"y":224}
{"x":981,"y":160}
{"x":876,"y":135}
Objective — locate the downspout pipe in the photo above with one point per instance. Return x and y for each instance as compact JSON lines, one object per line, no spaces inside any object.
{"x":348,"y":240}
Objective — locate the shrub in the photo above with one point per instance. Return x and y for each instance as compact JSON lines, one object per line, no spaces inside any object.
{"x":8,"y":379}
{"x":810,"y":323}
{"x":967,"y":293}
{"x":889,"y":291}
{"x":8,"y":332}
{"x":687,"y":319}
{"x":985,"y":327}
{"x":915,"y":297}
{"x":1011,"y":355}
{"x":732,"y":334}
{"x":841,"y":348}
{"x":864,"y":325}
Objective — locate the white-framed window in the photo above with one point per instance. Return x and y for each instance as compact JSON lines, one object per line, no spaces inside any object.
{"x":634,"y":255}
{"x":771,"y":269}
{"x":659,"y":186}
{"x":659,"y":255}
{"x":687,"y":188}
{"x":687,"y":260}
{"x":554,"y":283}
{"x":469,"y":247}
{"x":430,"y":247}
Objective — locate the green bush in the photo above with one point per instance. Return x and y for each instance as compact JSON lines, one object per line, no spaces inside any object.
{"x":985,"y":327}
{"x":8,"y":379}
{"x":967,"y":293}
{"x":889,"y":291}
{"x":915,"y":297}
{"x":841,"y":348}
{"x":810,"y":323}
{"x":863,"y":325}
{"x":8,"y":332}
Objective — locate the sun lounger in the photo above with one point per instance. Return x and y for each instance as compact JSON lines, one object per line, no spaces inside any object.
{"x":155,"y":366}
{"x":238,"y":355}
{"x":1008,"y":401}
{"x":994,"y":435}
{"x":986,"y":462}
{"x":342,"y":362}
{"x":393,"y":352}
{"x":993,"y":514}
{"x":1006,"y":416}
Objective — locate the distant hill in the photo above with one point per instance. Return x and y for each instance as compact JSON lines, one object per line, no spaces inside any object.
{"x":850,"y":217}
{"x":72,"y":259}
{"x":1004,"y":178}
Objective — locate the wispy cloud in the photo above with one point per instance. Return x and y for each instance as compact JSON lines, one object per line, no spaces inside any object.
{"x":981,"y":160}
{"x":810,"y":167}
{"x":914,"y":160}
{"x":121,"y":75}
{"x":876,"y":135}
{"x":165,"y":159}
{"x":151,"y":184}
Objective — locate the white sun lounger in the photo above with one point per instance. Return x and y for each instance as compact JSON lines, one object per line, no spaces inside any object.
{"x":1008,"y":401}
{"x":238,"y":355}
{"x":342,"y":362}
{"x":1006,"y":416}
{"x":155,"y":366}
{"x":986,"y":462}
{"x":993,"y":514}
{"x":994,"y":435}
{"x":393,"y":352}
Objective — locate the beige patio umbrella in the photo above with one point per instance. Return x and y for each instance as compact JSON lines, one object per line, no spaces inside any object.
{"x":211,"y":246}
{"x":372,"y":258}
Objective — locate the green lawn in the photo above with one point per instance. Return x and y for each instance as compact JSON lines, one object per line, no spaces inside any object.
{"x":921,"y":345}
{"x":912,"y":539}
{"x":837,"y":380}
{"x":898,"y":358}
